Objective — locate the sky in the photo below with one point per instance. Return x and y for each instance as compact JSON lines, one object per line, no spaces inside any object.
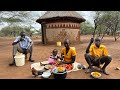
{"x":88,"y":15}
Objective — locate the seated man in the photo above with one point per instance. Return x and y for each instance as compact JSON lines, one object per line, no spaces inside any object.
{"x":22,"y":44}
{"x":97,"y":54}
{"x":68,"y":54}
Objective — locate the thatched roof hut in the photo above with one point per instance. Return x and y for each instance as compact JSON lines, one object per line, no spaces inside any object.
{"x":64,"y":24}
{"x":54,"y":15}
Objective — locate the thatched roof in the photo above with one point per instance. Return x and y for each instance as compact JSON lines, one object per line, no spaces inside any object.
{"x":50,"y":15}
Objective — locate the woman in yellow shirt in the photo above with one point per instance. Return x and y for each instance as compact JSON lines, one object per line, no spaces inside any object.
{"x":68,"y":54}
{"x":97,"y":54}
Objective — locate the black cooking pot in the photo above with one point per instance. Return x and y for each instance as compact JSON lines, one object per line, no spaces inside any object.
{"x":59,"y":75}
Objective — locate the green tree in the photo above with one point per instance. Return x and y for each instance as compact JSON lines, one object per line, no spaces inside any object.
{"x":15,"y":31}
{"x":13,"y":17}
{"x":107,"y":22}
{"x":11,"y":31}
{"x":86,"y":28}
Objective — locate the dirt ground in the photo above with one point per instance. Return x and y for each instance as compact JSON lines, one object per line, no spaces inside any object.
{"x":41,"y":52}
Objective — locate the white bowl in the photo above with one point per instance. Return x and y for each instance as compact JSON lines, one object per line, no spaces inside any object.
{"x":37,"y":66}
{"x":46,"y":74}
{"x":48,"y":67}
{"x":45,"y":62}
{"x":95,"y":76}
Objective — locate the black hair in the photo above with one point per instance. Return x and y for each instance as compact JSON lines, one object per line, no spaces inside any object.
{"x":55,"y":50}
{"x":97,"y":38}
{"x":67,"y":40}
{"x":22,"y":32}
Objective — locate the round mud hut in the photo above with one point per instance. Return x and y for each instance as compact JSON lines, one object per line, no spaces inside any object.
{"x":59,"y":25}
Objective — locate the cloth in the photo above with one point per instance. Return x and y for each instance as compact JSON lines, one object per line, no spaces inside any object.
{"x":69,"y":67}
{"x":98,"y":52}
{"x":98,"y":61}
{"x":75,"y":67}
{"x":52,"y":59}
{"x":18,"y":48}
{"x":71,"y":52}
{"x":25,"y":43}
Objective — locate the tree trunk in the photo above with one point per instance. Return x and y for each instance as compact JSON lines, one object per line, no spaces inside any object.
{"x":105,"y":32}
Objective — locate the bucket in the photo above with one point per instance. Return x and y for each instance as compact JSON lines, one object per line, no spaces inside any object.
{"x":58,"y":43}
{"x":20,"y":60}
{"x":73,"y":48}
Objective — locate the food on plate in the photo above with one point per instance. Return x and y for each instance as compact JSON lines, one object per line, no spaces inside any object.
{"x":96,"y":74}
{"x":60,"y":69}
{"x":45,"y":62}
{"x":39,"y":68}
{"x":67,"y":66}
{"x":48,"y":66}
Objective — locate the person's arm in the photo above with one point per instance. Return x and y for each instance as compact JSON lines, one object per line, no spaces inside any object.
{"x":14,"y":43}
{"x":31,"y":42}
{"x":91,"y":41}
{"x":72,"y":61}
{"x":62,"y":54}
{"x":18,"y":39}
{"x":62,"y":57}
{"x":58,"y":57}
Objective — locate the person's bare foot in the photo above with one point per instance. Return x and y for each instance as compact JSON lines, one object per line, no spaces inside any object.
{"x":104,"y":71}
{"x":31,"y":60}
{"x":11,"y":64}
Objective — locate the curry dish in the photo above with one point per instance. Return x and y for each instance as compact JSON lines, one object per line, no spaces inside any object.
{"x":60,"y":69}
{"x":96,"y":74}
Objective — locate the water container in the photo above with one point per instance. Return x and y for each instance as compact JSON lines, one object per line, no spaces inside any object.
{"x":58,"y":43}
{"x":73,"y":48}
{"x":19,"y":59}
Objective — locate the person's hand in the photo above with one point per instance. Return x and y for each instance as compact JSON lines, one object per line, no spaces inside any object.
{"x":21,"y":39}
{"x":91,"y":40}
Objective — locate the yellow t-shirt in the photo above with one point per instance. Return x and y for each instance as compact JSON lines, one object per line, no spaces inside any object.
{"x":68,"y":56}
{"x":98,"y":52}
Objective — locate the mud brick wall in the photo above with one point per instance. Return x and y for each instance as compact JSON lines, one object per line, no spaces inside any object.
{"x":59,"y":31}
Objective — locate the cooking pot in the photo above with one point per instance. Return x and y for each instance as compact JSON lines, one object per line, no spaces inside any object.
{"x":59,"y":75}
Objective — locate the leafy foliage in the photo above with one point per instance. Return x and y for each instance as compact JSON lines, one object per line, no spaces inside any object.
{"x":107,"y":22}
{"x":15,"y":31}
{"x":86,"y":28}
